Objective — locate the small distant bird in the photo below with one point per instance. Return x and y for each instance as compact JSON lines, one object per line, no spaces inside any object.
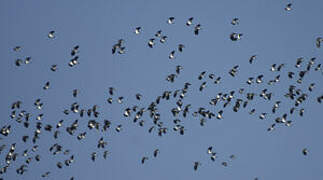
{"x":311,"y":87}
{"x":46,"y":174}
{"x":105,"y":154}
{"x":225,"y":164}
{"x":219,"y":115}
{"x":288,"y":7}
{"x":73,"y":61}
{"x":273,"y":67}
{"x":144,"y":159}
{"x":53,"y":67}
{"x":181,"y":47}
{"x":27,"y":60}
{"x":93,"y":156}
{"x":235,"y":36}
{"x":51,"y":35}
{"x":232,"y":156}
{"x":18,"y":62}
{"x":301,"y":112}
{"x":75,"y":50}
{"x":252,"y":58}
{"x":46,"y":86}
{"x":201,"y":76}
{"x":299,"y":61}
{"x":17,"y":48}
{"x":234,"y":70}
{"x":75,"y":92}
{"x":158,"y":33}
{"x":209,"y":150}
{"x":156,"y":152}
{"x":138,"y":96}
{"x":318,"y":42}
{"x":272,"y":127}
{"x":305,"y":151}
{"x":163,"y":39}
{"x":196,"y":165}
{"x":235,"y":21}
{"x":171,"y":20}
{"x":137,"y":30}
{"x":203,"y":85}
{"x":59,"y":165}
{"x":178,"y":69}
{"x":120,"y":99}
{"x":197,"y":29}
{"x":213,"y":156}
{"x":189,"y":22}
{"x":119,"y":128}
{"x":259,"y":79}
{"x":262,"y":116}
{"x":171,"y":55}
{"x":151,"y":42}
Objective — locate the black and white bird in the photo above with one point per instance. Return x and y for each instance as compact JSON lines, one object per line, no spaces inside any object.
{"x":318,"y":42}
{"x":138,"y":30}
{"x":171,"y":20}
{"x":51,"y":35}
{"x":288,"y":7}
{"x":235,"y":21}
{"x":235,"y":36}
{"x":189,"y":22}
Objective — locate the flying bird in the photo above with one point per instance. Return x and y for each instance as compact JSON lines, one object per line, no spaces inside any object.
{"x":171,"y":20}
{"x":51,"y":35}
{"x":189,"y":22}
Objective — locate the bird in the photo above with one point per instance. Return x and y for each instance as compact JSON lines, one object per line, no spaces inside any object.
{"x":27,"y":60}
{"x":209,"y":150}
{"x":201,"y":76}
{"x":75,"y":50}
{"x":46,"y":86}
{"x":196,"y":165}
{"x":171,"y":55}
{"x":197,"y":29}
{"x":252,"y":58}
{"x":318,"y":42}
{"x":189,"y":22}
{"x":235,"y":21}
{"x":75,"y":92}
{"x":213,"y":156}
{"x":105,"y":154}
{"x":178,"y":70}
{"x":18,"y":62}
{"x":158,"y":33}
{"x":17,"y":48}
{"x":53,"y":67}
{"x":311,"y":87}
{"x":93,"y":156}
{"x":143,"y":159}
{"x":181,"y":47}
{"x":288,"y":7}
{"x":163,"y":39}
{"x":156,"y":152}
{"x":137,"y":30}
{"x":51,"y":35}
{"x":151,"y":42}
{"x":235,"y":36}
{"x":171,"y":20}
{"x":305,"y":151}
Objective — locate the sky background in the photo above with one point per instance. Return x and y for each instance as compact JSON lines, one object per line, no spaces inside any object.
{"x":270,"y":32}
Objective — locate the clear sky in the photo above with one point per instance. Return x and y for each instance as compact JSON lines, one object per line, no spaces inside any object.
{"x":276,"y":36}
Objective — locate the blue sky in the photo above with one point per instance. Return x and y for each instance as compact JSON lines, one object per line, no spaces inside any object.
{"x":270,"y":32}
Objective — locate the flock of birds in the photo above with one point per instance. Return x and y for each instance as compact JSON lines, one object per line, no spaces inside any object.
{"x":236,"y":99}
